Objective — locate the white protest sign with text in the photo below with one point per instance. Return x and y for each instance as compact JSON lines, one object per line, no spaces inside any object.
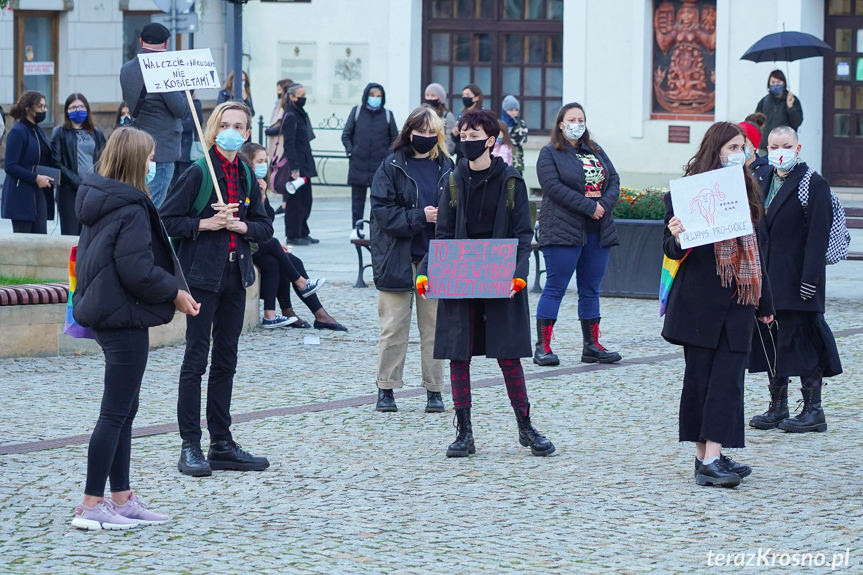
{"x":178,"y":71}
{"x":712,"y":206}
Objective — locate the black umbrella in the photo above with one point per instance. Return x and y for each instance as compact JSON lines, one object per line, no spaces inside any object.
{"x":786,"y":47}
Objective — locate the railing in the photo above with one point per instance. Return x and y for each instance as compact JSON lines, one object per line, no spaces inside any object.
{"x":321,"y":156}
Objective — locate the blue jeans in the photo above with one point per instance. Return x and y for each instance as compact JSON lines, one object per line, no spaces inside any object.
{"x":159,"y":186}
{"x":589,"y":262}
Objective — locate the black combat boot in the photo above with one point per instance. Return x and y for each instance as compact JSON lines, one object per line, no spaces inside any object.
{"x":226,"y":454}
{"x":386,"y":401}
{"x":812,"y":416}
{"x":544,"y":332}
{"x":778,"y":409}
{"x":463,"y":444}
{"x":192,"y":461}
{"x":434,"y":402}
{"x":593,"y":351}
{"x":530,"y":437}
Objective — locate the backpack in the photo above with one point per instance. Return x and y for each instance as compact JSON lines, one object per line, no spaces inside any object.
{"x":357,"y":114}
{"x":510,"y":192}
{"x":840,"y":238}
{"x":205,"y":191}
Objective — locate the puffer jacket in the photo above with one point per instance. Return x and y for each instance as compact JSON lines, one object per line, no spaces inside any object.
{"x":565,"y":208}
{"x":367,"y":138}
{"x":124,"y":268}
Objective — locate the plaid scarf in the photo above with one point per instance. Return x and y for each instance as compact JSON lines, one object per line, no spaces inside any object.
{"x":738,"y":260}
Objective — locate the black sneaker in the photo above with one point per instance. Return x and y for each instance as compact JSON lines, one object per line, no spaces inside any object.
{"x":717,"y":475}
{"x":229,"y":455}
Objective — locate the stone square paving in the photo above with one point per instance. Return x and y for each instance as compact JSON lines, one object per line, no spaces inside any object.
{"x":351,"y":490}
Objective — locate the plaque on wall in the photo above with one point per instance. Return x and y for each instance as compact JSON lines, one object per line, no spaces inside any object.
{"x":297,"y":61}
{"x":684,"y":58}
{"x":348,"y":71}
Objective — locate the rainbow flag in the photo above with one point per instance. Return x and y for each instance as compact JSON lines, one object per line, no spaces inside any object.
{"x":72,"y":327}
{"x":669,"y":271}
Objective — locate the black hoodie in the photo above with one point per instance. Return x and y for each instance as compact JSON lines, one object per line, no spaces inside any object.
{"x":124,"y":267}
{"x":368,"y":135}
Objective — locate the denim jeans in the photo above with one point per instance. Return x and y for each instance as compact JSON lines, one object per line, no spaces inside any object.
{"x":159,"y":186}
{"x":589,"y":262}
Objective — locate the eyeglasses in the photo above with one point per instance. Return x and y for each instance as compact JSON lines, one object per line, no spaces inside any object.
{"x":77,"y":108}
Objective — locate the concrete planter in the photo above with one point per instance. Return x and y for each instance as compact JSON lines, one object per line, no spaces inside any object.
{"x":634,"y":265}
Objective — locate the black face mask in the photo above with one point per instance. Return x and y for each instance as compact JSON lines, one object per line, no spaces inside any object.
{"x":423,"y":144}
{"x":40,"y":117}
{"x":301,"y":102}
{"x":468,"y":102}
{"x":432,"y":103}
{"x":473,"y":149}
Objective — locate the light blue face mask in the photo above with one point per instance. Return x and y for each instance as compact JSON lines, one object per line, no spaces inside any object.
{"x":261,"y":171}
{"x":230,"y":140}
{"x":151,"y":173}
{"x":374,"y":101}
{"x":748,"y":152}
{"x":735,"y":160}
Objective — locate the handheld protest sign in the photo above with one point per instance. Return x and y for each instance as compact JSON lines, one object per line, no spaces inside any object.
{"x":182,"y":71}
{"x":460,"y":269}
{"x":712,"y":206}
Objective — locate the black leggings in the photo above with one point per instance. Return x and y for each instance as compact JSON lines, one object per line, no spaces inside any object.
{"x":111,"y":443}
{"x":279,"y":271}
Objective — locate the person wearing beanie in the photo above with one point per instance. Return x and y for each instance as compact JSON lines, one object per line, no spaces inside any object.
{"x":751,"y":127}
{"x":517,"y":130}
{"x":435,"y":98}
{"x":160,"y":115}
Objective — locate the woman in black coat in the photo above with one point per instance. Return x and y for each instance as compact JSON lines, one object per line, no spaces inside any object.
{"x":367,"y":137}
{"x":27,"y":196}
{"x":712,"y":315}
{"x":797,"y":239}
{"x":576,"y":231}
{"x":297,"y":134}
{"x":404,"y":200}
{"x":496,"y":328}
{"x":75,"y":147}
{"x":125,"y":285}
{"x":779,"y":106}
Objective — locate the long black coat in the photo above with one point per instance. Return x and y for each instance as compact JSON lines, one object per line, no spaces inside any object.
{"x":506,"y":330}
{"x":367,"y":138}
{"x":396,"y":219}
{"x":202,"y":254}
{"x":699,"y":307}
{"x":797,"y":240}
{"x":297,"y":135}
{"x":26,"y":148}
{"x":124,"y":268}
{"x":565,"y":208}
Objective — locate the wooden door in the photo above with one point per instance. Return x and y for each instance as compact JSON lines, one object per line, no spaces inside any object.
{"x":843,"y":93}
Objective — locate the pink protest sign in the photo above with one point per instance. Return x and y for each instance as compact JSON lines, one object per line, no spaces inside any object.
{"x":460,"y":269}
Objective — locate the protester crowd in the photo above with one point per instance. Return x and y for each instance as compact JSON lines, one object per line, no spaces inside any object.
{"x":170,"y":220}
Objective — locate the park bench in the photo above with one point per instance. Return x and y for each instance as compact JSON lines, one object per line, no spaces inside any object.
{"x":30,"y":294}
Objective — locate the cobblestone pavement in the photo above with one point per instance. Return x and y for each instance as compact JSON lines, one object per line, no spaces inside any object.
{"x":354,"y":491}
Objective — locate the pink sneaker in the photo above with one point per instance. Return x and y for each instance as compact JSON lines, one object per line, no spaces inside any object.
{"x":136,"y":510}
{"x":102,"y":516}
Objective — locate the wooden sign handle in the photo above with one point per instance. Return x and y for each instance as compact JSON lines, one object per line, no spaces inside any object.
{"x":206,"y":151}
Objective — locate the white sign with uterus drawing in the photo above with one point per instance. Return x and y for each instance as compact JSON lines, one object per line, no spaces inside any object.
{"x":712,"y":206}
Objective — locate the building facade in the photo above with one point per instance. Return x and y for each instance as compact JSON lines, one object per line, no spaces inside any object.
{"x":651,"y":74}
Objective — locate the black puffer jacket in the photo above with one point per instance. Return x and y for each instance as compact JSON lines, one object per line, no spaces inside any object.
{"x":125,"y":270}
{"x":367,"y":138}
{"x":396,"y":219}
{"x":565,"y":208}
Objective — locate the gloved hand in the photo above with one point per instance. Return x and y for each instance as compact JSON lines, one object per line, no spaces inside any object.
{"x":807,"y":291}
{"x":422,"y":284}
{"x":518,"y":284}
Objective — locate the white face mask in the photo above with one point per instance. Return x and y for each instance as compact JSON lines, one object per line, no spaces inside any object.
{"x":574,"y":131}
{"x":782,"y":158}
{"x":734,"y":160}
